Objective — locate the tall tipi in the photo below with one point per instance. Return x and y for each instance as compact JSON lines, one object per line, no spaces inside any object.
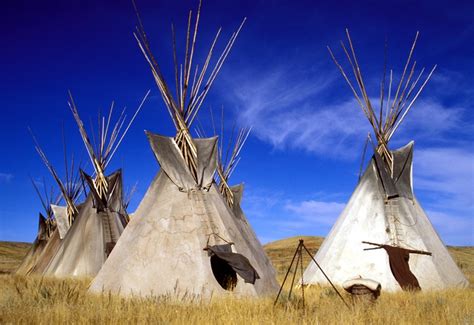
{"x":183,"y":239}
{"x":383,"y":233}
{"x":102,"y":218}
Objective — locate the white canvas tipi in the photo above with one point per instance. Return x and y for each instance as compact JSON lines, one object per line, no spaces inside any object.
{"x":46,"y":227}
{"x":183,"y":240}
{"x":60,"y":217}
{"x":383,"y":234}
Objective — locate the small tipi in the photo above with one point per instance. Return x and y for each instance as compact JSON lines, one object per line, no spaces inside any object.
{"x":183,"y":240}
{"x":102,"y":218}
{"x":383,"y":234}
{"x":62,"y":216}
{"x":46,"y":227}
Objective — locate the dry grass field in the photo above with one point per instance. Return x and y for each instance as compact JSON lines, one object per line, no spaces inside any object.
{"x":50,"y":301}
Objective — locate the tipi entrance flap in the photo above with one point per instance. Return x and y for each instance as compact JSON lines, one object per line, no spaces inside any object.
{"x":402,"y":166}
{"x":171,"y":160}
{"x":207,"y":160}
{"x":239,"y":263}
{"x":62,"y":221}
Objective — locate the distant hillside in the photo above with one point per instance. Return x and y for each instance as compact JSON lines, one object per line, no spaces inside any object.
{"x":280,"y":253}
{"x":464,"y":257}
{"x":11,"y":254}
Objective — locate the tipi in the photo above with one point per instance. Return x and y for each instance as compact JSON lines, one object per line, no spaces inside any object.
{"x":183,"y":239}
{"x":61,"y":216}
{"x":102,"y":217}
{"x":46,"y":227}
{"x":383,"y":233}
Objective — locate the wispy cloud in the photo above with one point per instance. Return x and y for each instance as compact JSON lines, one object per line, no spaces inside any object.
{"x":291,"y":111}
{"x":454,"y":230}
{"x":258,"y":202}
{"x":431,"y":121}
{"x":285,"y":110}
{"x":316,"y":212}
{"x":445,"y":178}
{"x":449,"y":171}
{"x":275,"y":215}
{"x":5,"y":177}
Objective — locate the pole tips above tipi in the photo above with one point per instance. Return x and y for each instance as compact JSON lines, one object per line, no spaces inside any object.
{"x":109,"y":138}
{"x":47,"y":223}
{"x":395,"y":105}
{"x":229,"y":156}
{"x":191,"y":82}
{"x":70,"y":187}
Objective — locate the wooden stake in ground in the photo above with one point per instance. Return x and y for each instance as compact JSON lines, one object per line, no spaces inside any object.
{"x":299,"y":263}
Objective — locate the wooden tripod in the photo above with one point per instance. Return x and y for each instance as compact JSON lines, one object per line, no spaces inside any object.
{"x":299,"y":263}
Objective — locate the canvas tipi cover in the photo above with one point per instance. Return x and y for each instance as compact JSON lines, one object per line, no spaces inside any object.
{"x":37,"y":247}
{"x":52,"y":229}
{"x":228,"y":159}
{"x":250,"y":236}
{"x":93,"y":234}
{"x":53,"y":244}
{"x":383,"y":234}
{"x":162,"y":249}
{"x":399,"y":221}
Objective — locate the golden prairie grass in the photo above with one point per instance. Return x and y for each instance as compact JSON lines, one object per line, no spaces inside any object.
{"x":52,"y":301}
{"x":35,"y":300}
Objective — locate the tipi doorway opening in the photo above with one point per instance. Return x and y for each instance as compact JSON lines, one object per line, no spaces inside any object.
{"x":224,"y":273}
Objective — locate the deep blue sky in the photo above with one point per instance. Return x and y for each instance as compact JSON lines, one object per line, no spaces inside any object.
{"x":301,"y":162}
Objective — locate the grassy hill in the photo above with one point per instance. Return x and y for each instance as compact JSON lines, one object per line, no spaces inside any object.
{"x":464,"y":257}
{"x":281,"y":251}
{"x":11,"y":255}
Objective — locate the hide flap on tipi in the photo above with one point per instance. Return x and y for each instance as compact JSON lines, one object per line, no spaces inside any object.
{"x":62,"y":221}
{"x":238,"y":191}
{"x":114,"y":195}
{"x":400,"y":183}
{"x":172,"y":162}
{"x":238,"y":262}
{"x":402,"y":169}
{"x":42,"y":231}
